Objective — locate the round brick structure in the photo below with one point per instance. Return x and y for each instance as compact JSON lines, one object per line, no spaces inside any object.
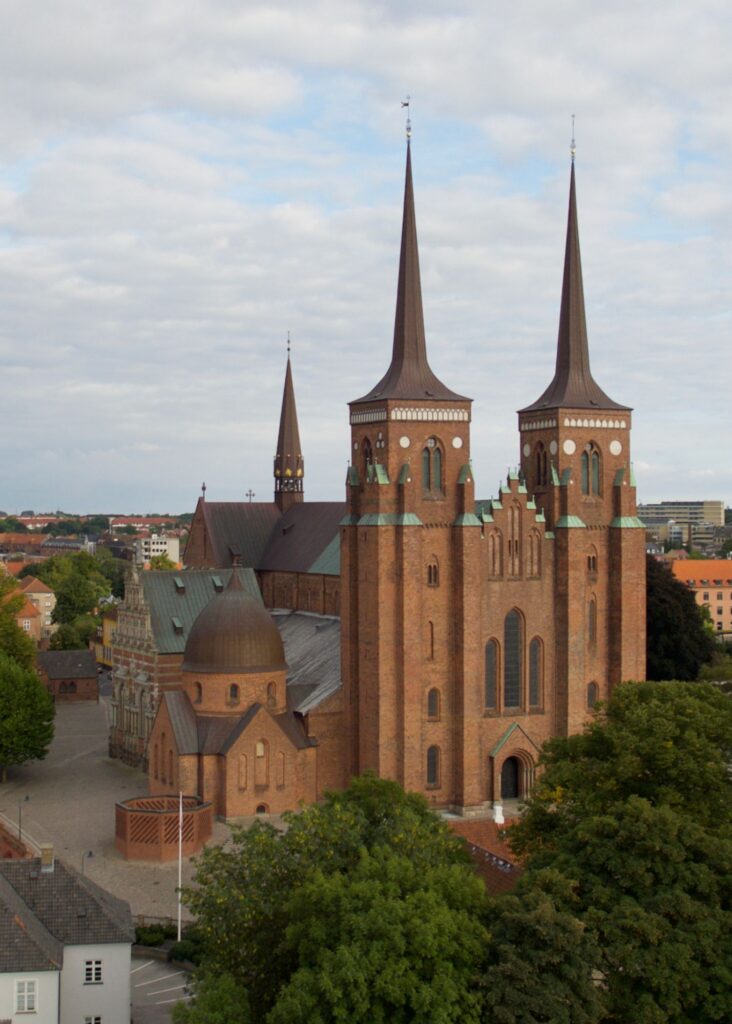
{"x":146,"y":827}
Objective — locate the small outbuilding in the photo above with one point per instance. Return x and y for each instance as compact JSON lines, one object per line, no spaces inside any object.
{"x":69,"y":675}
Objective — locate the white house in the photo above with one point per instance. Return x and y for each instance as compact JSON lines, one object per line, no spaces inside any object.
{"x":65,"y":946}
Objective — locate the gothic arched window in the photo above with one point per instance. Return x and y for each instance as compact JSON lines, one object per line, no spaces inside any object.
{"x":433,"y":766}
{"x":233,"y":694}
{"x":541,"y":472}
{"x":512,"y":659}
{"x":491,"y":674}
{"x":591,"y":469}
{"x":432,"y":482}
{"x":593,"y":692}
{"x":535,"y":672}
{"x":433,"y":704}
{"x":367,"y":456}
{"x":592,"y":622}
{"x":431,"y":641}
{"x":433,"y":573}
{"x":426,"y":470}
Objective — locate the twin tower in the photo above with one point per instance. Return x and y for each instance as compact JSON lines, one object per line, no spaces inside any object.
{"x":472,"y":631}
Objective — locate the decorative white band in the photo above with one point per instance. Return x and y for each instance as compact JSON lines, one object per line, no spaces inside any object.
{"x":443,"y":415}
{"x":371,"y":416}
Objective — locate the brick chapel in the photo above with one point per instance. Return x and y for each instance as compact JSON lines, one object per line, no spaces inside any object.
{"x":471,"y":631}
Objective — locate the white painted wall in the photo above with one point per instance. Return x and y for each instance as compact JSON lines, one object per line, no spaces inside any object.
{"x":110,"y":999}
{"x":46,"y":998}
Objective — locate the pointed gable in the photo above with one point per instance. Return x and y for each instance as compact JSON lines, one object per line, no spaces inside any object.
{"x":573,"y":385}
{"x":409,"y":375}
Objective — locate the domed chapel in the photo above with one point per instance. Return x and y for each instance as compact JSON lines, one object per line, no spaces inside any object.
{"x":471,"y":630}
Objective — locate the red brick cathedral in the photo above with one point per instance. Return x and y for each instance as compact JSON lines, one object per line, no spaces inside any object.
{"x":471,"y":631}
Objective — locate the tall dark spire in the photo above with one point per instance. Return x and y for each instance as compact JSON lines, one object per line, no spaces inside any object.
{"x":289,"y":465}
{"x":573,"y":385}
{"x":409,"y":375}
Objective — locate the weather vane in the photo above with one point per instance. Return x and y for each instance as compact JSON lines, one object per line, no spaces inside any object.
{"x":288,"y":344}
{"x":405,"y":103}
{"x":573,"y":147}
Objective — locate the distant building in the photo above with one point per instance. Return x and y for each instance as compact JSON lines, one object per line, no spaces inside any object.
{"x":684,"y":511}
{"x":157,"y":544}
{"x":711,"y":581}
{"x":65,"y":946}
{"x":29,"y":619}
{"x":44,"y":599}
{"x":69,"y":675}
{"x":104,"y":638}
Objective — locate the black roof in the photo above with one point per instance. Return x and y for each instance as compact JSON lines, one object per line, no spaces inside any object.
{"x":71,"y":908}
{"x":68,"y":664}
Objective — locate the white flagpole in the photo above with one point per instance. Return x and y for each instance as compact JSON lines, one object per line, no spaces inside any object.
{"x":180,"y":855}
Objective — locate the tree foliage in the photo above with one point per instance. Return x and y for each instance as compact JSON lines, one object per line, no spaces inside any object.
{"x":14,"y":642}
{"x":678,"y":641}
{"x":636,"y":813}
{"x":372,"y":842}
{"x":26,"y":715}
{"x":162,"y":563}
{"x":218,"y":1000}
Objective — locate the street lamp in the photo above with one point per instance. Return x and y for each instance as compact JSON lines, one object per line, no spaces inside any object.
{"x":23,"y":800}
{"x":85,"y":856}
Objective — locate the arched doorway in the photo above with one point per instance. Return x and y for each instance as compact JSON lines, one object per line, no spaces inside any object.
{"x":510,"y":779}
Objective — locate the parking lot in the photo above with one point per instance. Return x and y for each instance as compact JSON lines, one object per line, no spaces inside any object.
{"x":156,"y":987}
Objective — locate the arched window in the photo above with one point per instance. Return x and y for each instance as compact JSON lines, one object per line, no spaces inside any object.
{"x":367,"y":456}
{"x":592,"y":622}
{"x":62,"y":688}
{"x":495,"y":553}
{"x":591,"y":470}
{"x":72,"y":687}
{"x":491,"y":674}
{"x":431,"y":641}
{"x":261,"y":764}
{"x":233,"y":694}
{"x":592,"y":561}
{"x":534,"y":553}
{"x":541,"y":474}
{"x":432,"y":467}
{"x":262,"y":809}
{"x":280,"y":768}
{"x":512,"y":660}
{"x":535,"y":673}
{"x":198,"y":694}
{"x":433,"y":704}
{"x":433,"y":767}
{"x":243,"y":771}
{"x":433,"y":573}
{"x":271,"y":695}
{"x":593,"y":692}
{"x":514,"y":541}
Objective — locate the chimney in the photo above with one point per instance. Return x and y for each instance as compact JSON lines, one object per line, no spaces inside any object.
{"x":47,"y":858}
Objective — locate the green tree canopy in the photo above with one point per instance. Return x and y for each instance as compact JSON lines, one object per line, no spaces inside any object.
{"x":252,"y":889}
{"x":162,"y":562}
{"x":678,"y":641}
{"x":636,"y":813}
{"x":14,"y":642}
{"x":26,"y":715}
{"x":66,"y":638}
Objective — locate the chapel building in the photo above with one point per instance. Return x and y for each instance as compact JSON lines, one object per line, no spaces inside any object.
{"x":471,"y":631}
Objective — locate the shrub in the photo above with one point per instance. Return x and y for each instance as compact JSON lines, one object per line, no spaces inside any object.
{"x":154,"y":935}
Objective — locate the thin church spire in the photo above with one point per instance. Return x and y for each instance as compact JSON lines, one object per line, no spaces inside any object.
{"x":289,"y":465}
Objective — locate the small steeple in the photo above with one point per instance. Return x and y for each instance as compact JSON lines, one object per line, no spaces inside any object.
{"x":289,"y":465}
{"x":573,"y":385}
{"x":409,"y":375}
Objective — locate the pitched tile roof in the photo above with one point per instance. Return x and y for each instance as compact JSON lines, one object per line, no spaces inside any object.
{"x":68,"y":664}
{"x":239,"y":528}
{"x":72,"y":908}
{"x":32,"y":585}
{"x":303,"y":536}
{"x":25,"y":943}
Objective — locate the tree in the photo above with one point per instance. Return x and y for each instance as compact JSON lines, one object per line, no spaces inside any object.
{"x":14,"y":642}
{"x":217,"y":1001}
{"x":162,"y":562}
{"x":26,"y":715}
{"x":66,"y":638}
{"x":540,"y":958}
{"x":678,"y":643}
{"x":636,"y":813}
{"x":254,"y":888}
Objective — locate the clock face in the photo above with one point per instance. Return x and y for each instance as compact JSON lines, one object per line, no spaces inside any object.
{"x":615,"y":447}
{"x":569,"y":447}
{"x":553,"y":447}
{"x":404,"y":441}
{"x":457,"y":442}
{"x":527,"y":449}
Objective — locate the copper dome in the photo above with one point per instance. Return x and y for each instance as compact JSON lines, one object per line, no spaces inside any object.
{"x":234,"y":633}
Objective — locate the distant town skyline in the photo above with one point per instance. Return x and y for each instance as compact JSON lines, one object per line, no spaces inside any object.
{"x":179,"y":188}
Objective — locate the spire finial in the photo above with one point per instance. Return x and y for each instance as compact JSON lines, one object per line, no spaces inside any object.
{"x":572,"y":146}
{"x":288,"y":344}
{"x":203,"y":490}
{"x":405,"y":103}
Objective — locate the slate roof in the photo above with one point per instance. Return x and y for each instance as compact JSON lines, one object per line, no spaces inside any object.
{"x":25,"y":943}
{"x":69,"y":906}
{"x":168,"y":600}
{"x":68,"y":664}
{"x":302,"y":537}
{"x":216,"y":734}
{"x":313,"y":652}
{"x":240,"y":528}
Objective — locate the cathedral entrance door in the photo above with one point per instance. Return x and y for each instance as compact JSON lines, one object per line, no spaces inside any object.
{"x":510,"y":779}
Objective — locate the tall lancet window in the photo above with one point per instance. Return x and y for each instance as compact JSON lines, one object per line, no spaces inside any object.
{"x":432,"y":482}
{"x":512,"y":659}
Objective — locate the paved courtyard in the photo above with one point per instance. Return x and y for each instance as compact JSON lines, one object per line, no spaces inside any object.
{"x":72,"y":795}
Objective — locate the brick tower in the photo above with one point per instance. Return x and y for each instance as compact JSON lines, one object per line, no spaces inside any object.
{"x":403,"y":567}
{"x":289,"y":465}
{"x":575,"y":459}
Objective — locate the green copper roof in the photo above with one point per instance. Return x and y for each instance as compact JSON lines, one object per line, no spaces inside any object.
{"x":570,"y":523}
{"x":390,"y":519}
{"x":465,"y":475}
{"x":540,"y":517}
{"x":507,"y":736}
{"x":382,"y":476}
{"x":353,"y":478}
{"x":566,"y":476}
{"x":555,"y":475}
{"x":549,"y":535}
{"x":632,"y":476}
{"x":628,"y":523}
{"x":619,"y":474}
{"x":404,"y":476}
{"x":467,"y":519}
{"x":328,"y":562}
{"x":530,"y":503}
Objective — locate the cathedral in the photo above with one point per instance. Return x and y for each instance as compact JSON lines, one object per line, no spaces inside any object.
{"x":471,"y":631}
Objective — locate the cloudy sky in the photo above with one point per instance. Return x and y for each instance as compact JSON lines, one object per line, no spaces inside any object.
{"x":182,"y":183}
